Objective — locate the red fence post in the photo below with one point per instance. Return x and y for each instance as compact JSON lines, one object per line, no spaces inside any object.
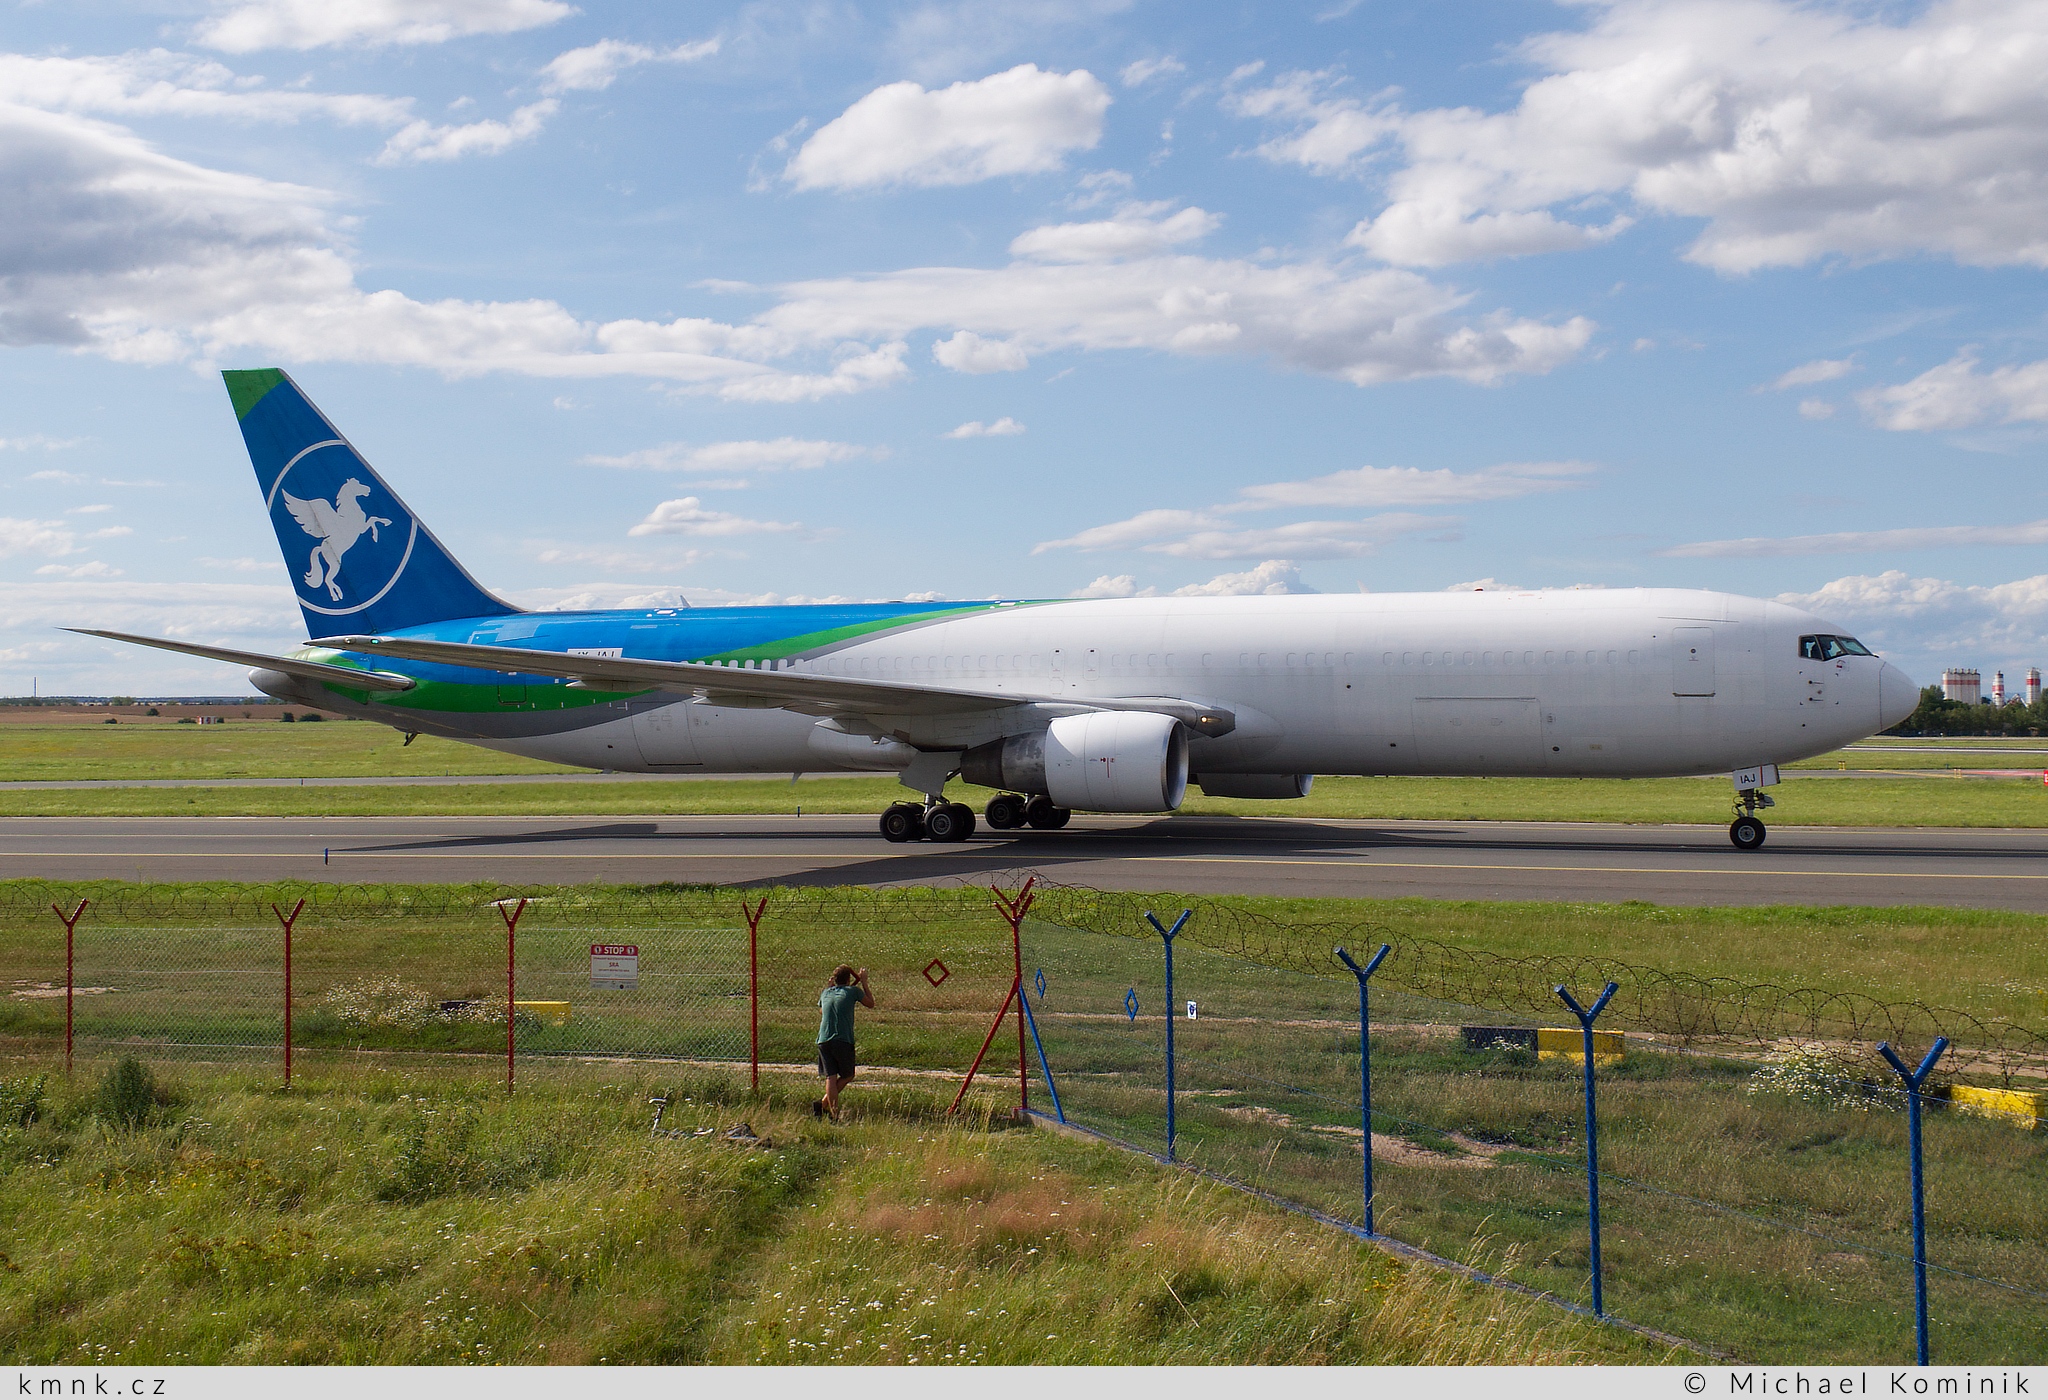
{"x":1012,"y":910}
{"x":754,"y":986}
{"x":511,"y":978}
{"x":70,"y":923}
{"x":288,"y":920}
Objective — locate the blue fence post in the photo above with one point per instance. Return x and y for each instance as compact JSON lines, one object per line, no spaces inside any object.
{"x":1914,"y":1078}
{"x":1364,"y":974}
{"x":1586,"y":1019}
{"x":1168,"y":935}
{"x":1032,"y":1021}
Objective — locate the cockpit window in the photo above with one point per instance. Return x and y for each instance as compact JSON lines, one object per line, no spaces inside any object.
{"x":1826,"y":648}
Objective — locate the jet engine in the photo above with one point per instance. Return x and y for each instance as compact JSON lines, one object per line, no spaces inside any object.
{"x":1104,"y":762}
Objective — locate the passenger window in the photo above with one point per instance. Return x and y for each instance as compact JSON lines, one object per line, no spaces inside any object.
{"x":1468,"y":658}
{"x":1429,"y":658}
{"x":1631,"y":658}
{"x":1407,"y":658}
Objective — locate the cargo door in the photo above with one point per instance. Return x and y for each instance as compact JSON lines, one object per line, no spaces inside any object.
{"x":1692,"y":661}
{"x":663,"y":734}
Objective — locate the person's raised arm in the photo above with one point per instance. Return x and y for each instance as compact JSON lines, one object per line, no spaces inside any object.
{"x":867,"y":998}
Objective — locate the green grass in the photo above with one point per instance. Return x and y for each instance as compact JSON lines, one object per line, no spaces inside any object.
{"x":254,"y":748}
{"x":1874,"y":802}
{"x":1268,"y":1073}
{"x":267,"y":749}
{"x":370,"y":1217}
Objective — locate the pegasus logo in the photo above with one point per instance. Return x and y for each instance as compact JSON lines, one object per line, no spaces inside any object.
{"x":337,"y":527}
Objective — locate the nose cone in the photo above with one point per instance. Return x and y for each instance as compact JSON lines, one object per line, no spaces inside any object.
{"x":1897,"y":696}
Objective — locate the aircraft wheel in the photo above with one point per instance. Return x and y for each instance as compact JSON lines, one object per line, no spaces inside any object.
{"x":949,"y":821}
{"x":1747,"y":833}
{"x":903,"y":821}
{"x":1005,"y":812}
{"x":1043,"y":816}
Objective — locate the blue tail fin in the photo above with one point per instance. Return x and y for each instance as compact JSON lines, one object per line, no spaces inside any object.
{"x":359,"y":559}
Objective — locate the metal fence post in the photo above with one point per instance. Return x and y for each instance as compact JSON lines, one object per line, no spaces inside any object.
{"x":1914,"y":1078}
{"x":754,"y":987}
{"x":1586,"y":1019}
{"x":511,"y":980}
{"x":1013,"y":910}
{"x":288,"y":920}
{"x":1168,"y":935}
{"x":1364,"y":974}
{"x":70,"y":924}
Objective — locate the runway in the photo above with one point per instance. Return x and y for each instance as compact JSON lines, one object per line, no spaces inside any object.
{"x":1572,"y":862}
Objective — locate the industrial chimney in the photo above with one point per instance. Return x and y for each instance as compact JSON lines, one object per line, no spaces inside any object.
{"x":1962,"y":684}
{"x":2033,"y":685}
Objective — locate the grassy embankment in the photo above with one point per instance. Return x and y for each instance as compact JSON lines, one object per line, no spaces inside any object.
{"x":1473,"y":1144}
{"x":372,"y":1217}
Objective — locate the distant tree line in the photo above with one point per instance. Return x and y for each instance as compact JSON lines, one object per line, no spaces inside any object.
{"x":1936,"y":715}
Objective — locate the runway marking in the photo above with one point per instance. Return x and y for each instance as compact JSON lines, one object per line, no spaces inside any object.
{"x":1585,"y":869}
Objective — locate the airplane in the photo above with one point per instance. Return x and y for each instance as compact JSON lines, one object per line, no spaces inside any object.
{"x":1062,"y":705}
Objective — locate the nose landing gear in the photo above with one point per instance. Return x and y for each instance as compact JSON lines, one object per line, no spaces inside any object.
{"x":1747,"y":830}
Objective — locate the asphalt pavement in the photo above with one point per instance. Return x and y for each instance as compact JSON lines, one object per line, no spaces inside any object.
{"x":1574,"y":862}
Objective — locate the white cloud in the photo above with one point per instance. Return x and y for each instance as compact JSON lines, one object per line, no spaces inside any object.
{"x":2033,"y":532}
{"x":1113,"y":586}
{"x":785,"y":453}
{"x":50,"y":537}
{"x":1816,"y":409}
{"x":1023,"y":122}
{"x":623,"y":560}
{"x":37,"y":441}
{"x":1814,"y":372}
{"x":967,"y":353}
{"x":157,"y":82}
{"x":1307,"y":539}
{"x":312,"y":24}
{"x":1002,"y":427}
{"x":1932,"y":622}
{"x":1134,"y":232}
{"x":1274,"y":576}
{"x":595,"y":67}
{"x":100,"y":509}
{"x":244,"y":564}
{"x":422,"y":140}
{"x":686,"y":515}
{"x":1412,"y":486}
{"x":112,"y":246}
{"x":1955,"y":395}
{"x":1189,"y":534}
{"x":94,"y":568}
{"x":1792,"y":131}
{"x":1146,"y":69}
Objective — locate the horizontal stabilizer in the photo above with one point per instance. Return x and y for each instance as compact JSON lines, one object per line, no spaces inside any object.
{"x":803,"y":691}
{"x":347,"y":676}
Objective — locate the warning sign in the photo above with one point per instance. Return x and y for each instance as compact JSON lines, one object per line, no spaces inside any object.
{"x":614,"y":967}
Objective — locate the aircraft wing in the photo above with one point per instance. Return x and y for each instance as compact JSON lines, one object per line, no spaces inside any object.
{"x":803,"y":691}
{"x":291,"y":666}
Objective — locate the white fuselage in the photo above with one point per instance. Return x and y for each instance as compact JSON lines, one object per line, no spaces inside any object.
{"x":1583,"y":683}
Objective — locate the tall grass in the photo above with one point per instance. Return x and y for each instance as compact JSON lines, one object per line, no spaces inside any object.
{"x":375,"y":1217}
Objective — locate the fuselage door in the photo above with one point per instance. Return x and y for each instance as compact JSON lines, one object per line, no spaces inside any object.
{"x":663,"y":734}
{"x":1692,"y":661}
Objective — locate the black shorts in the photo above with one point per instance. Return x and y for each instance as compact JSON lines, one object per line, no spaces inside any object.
{"x":835,"y":1059}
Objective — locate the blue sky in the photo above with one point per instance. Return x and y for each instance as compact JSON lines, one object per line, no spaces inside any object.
{"x":772,"y":302}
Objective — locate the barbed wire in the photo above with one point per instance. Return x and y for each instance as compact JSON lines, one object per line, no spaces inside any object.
{"x":1685,"y":1007}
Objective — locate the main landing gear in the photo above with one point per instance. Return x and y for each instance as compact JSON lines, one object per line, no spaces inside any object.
{"x":1008,"y":811}
{"x":954,"y":821}
{"x":1747,"y":830}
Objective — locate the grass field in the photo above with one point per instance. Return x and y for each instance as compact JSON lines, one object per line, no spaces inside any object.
{"x":1474,"y":1144}
{"x":371,"y":1217}
{"x":159,"y":749}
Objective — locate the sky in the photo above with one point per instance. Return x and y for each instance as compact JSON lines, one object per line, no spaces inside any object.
{"x":781,"y":302}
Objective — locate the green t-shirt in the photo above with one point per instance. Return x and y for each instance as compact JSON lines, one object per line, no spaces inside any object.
{"x":835,"y":1013}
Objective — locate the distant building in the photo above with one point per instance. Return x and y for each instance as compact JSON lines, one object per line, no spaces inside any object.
{"x":1998,"y":688}
{"x":1961,"y":684}
{"x":2033,"y":685}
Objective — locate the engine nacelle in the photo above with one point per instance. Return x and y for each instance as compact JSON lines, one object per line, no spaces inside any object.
{"x":1104,"y":762}
{"x":1260,"y":785}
